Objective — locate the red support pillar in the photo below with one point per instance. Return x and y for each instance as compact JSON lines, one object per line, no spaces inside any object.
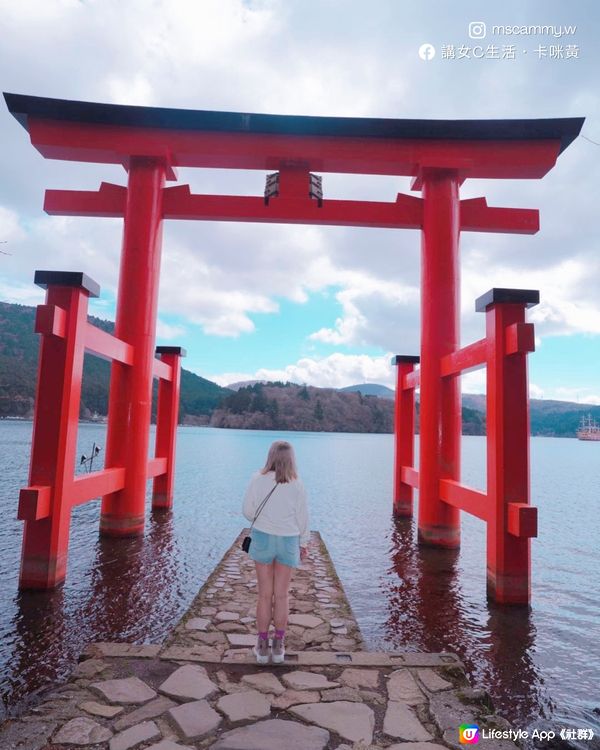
{"x":167,"y":417}
{"x":404,"y":435}
{"x":130,"y":401}
{"x":440,"y":407}
{"x":512,"y":521}
{"x":45,"y":504}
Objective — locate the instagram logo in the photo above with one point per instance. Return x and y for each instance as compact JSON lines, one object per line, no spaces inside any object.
{"x":468,"y":734}
{"x":477,"y":30}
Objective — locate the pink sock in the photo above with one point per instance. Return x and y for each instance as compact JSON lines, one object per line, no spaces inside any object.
{"x":263,"y":636}
{"x":279,"y":633}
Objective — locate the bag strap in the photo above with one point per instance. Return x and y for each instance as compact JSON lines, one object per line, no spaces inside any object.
{"x":262,"y":505}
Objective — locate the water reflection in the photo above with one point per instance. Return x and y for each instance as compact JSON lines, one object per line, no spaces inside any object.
{"x":511,"y":671}
{"x":39,"y":627}
{"x":429,"y":610}
{"x":129,"y":588}
{"x":420,"y":576}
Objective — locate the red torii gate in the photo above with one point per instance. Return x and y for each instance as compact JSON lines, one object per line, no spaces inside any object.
{"x":151,"y":143}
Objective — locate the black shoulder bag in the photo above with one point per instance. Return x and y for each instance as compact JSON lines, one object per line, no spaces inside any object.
{"x":248,"y":539}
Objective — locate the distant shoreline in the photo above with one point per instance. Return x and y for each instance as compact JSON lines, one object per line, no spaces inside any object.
{"x":103,"y":422}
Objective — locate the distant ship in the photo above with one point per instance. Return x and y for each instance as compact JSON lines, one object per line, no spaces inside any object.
{"x":589,"y":429}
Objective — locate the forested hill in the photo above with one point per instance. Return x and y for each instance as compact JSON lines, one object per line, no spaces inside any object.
{"x":19,"y":346}
{"x":288,"y":406}
{"x":547,"y":417}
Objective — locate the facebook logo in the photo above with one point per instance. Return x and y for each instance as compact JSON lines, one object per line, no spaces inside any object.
{"x":427,"y":52}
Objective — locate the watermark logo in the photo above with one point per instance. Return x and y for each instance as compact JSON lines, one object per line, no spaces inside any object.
{"x":477,"y":30}
{"x":427,"y":52}
{"x":468,"y":734}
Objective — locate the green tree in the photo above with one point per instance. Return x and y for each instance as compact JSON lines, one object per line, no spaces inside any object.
{"x":238,"y":402}
{"x":303,"y":393}
{"x":319,"y":411}
{"x":273,"y":409}
{"x":259,"y":401}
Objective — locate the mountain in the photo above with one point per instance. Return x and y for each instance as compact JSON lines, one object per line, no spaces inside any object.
{"x":243,"y":384}
{"x":370,"y":389}
{"x":547,"y":417}
{"x":19,"y":346}
{"x":474,"y":401}
{"x":558,"y":418}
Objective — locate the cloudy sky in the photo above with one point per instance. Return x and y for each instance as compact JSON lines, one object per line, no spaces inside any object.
{"x":326,"y":306}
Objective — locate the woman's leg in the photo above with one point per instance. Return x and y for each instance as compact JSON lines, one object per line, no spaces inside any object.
{"x":282,"y":575}
{"x":264,"y":604}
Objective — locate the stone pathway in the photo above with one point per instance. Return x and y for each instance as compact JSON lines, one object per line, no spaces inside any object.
{"x":203,"y":689}
{"x":220,"y":624}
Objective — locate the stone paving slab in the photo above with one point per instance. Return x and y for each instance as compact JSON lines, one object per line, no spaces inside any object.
{"x":125,"y":691}
{"x":317,"y":658}
{"x":202,"y":688}
{"x":189,"y":682}
{"x":152,"y":710}
{"x":125,"y":650}
{"x":349,"y":720}
{"x":135,"y":736}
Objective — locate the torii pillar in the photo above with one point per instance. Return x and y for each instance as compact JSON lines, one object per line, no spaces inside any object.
{"x":130,"y":402}
{"x":440,"y":414}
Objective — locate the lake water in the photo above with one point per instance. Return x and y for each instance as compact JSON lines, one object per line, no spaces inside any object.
{"x":541,"y":665}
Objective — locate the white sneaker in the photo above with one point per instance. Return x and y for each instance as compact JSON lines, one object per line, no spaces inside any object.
{"x":261,"y":651}
{"x":277,"y":651}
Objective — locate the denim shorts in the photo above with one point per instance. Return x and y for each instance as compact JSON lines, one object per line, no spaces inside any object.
{"x":268,"y":547}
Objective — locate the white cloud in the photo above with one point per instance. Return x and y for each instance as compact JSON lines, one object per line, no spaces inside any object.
{"x":371,"y":310}
{"x":562,"y":309}
{"x":473,"y":382}
{"x":564,"y":393}
{"x":335,"y":371}
{"x":21,"y":294}
{"x":168,"y":332}
{"x":207,"y":295}
{"x":535,"y":391}
{"x":136,"y":90}
{"x":37,"y":12}
{"x":10,"y":228}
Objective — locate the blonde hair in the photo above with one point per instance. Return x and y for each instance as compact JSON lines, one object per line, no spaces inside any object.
{"x":282,"y":461}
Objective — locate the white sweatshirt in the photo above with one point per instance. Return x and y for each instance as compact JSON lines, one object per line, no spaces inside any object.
{"x":285,"y":513}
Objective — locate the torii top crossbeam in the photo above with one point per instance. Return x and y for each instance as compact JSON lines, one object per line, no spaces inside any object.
{"x":110,"y":133}
{"x":295,"y":146}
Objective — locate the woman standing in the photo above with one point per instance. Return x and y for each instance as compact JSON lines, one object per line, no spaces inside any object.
{"x":280,"y":537}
